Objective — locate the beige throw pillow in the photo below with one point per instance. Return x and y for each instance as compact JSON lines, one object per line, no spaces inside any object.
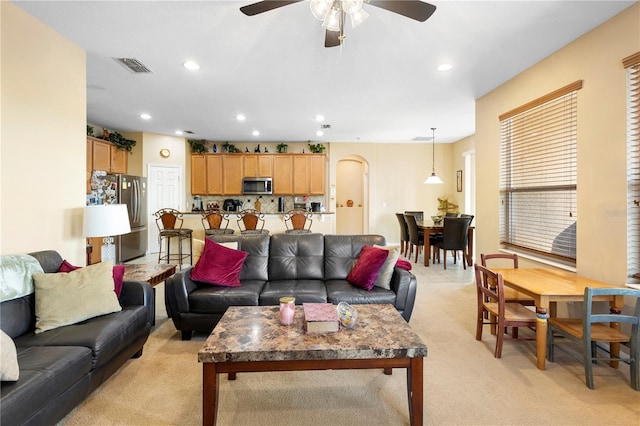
{"x":384,"y":276}
{"x":9,"y":370}
{"x":64,"y":299}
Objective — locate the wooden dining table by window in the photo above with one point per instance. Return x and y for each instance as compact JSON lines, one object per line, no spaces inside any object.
{"x":549,"y":286}
{"x":437,"y":229}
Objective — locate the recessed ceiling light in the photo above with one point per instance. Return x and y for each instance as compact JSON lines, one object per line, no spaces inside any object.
{"x":179,"y":132}
{"x":240,"y":117}
{"x":319,"y":133}
{"x":256,"y":133}
{"x":444,"y":67}
{"x":319,"y":118}
{"x":145,"y":116}
{"x":191,"y":66}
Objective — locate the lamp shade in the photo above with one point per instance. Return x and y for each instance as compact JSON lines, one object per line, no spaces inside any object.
{"x":106,"y":220}
{"x":433,"y":179}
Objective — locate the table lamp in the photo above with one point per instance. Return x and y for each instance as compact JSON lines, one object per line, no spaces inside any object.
{"x":107,"y":220}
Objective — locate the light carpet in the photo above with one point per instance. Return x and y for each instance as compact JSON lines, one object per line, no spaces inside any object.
{"x":463,"y":383}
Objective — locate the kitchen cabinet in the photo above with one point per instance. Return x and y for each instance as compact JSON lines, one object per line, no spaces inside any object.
{"x":198,"y":175}
{"x":309,"y":174}
{"x":282,"y":174}
{"x":232,"y":174}
{"x":260,"y":165}
{"x":103,"y":155}
{"x":207,"y":174}
{"x":214,"y":174}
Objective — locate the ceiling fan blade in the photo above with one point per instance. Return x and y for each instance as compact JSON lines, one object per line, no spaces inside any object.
{"x":414,"y":9}
{"x":332,"y":38}
{"x":265,"y":6}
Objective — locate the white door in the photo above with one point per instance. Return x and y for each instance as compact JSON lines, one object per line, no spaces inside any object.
{"x":165,"y":191}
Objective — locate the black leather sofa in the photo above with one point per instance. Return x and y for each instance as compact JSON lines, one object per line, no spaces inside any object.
{"x":310,"y":267}
{"x":59,"y":368}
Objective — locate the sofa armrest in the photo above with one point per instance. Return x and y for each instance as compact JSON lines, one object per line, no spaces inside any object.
{"x":404,"y":284}
{"x":176,"y":292}
{"x":138,"y":293}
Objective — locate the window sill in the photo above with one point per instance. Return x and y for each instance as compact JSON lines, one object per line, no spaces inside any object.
{"x":541,"y":260}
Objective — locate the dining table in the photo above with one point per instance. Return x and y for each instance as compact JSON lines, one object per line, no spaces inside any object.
{"x":437,"y":228}
{"x":547,"y":287}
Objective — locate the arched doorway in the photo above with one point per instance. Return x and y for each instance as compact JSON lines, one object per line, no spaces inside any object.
{"x":352,"y":196}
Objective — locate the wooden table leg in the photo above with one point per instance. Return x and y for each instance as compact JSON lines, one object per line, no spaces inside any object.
{"x":541,"y":337}
{"x":209,"y":394}
{"x":427,"y":247}
{"x":415,"y":392}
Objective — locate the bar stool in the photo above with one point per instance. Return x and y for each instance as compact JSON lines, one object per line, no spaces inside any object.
{"x":169,"y":223}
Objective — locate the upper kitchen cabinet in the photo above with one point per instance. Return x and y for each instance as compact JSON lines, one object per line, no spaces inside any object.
{"x":309,"y":174}
{"x":198,"y":174}
{"x":282,"y":174}
{"x":232,"y":171}
{"x":103,"y":155}
{"x":206,"y":174}
{"x":259,"y":165}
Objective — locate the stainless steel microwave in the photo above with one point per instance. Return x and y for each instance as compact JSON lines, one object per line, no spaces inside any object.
{"x":257,"y":186}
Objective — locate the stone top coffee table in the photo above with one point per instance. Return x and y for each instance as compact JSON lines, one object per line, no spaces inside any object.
{"x":251,"y":339}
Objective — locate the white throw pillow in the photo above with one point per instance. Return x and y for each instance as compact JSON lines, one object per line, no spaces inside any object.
{"x":384,"y":276}
{"x":9,"y":370}
{"x":64,"y":299}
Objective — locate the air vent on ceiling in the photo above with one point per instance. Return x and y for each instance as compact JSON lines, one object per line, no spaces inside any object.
{"x":421,"y":138}
{"x":189,"y":132}
{"x":325,"y":126}
{"x":133,"y":65}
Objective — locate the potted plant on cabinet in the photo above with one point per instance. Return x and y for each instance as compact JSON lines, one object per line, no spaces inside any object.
{"x":282,"y":148}
{"x":317,"y":148}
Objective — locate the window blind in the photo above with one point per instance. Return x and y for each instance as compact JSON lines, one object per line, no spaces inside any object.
{"x":538,"y":176}
{"x":632,"y":64}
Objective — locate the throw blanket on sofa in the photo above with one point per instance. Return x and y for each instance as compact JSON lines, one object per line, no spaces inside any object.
{"x":16,"y":271}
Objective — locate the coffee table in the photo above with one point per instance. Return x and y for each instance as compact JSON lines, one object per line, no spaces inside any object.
{"x":251,"y":339}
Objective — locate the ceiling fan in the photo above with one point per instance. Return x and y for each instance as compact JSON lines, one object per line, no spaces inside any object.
{"x":332,"y":13}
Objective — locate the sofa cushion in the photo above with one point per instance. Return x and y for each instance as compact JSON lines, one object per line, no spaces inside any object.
{"x":257,"y":245}
{"x":105,"y":336}
{"x":213,"y":299}
{"x":118,"y":274}
{"x":342,"y":251}
{"x":384,"y":276}
{"x":365,"y":271}
{"x":63,"y":299}
{"x":45,"y":373}
{"x":305,"y":291}
{"x":219,"y":265}
{"x":9,"y":370}
{"x":343,"y":291}
{"x":296,"y":256}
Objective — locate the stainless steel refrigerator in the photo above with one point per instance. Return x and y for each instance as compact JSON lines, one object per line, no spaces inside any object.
{"x":132,"y":191}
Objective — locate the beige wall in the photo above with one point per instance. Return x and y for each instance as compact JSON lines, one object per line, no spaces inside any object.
{"x":595,"y":58}
{"x":42,"y":141}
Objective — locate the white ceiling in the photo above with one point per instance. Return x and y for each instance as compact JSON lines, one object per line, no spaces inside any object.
{"x":381,"y":86}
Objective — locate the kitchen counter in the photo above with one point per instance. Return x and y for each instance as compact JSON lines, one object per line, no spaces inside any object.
{"x":323,"y":223}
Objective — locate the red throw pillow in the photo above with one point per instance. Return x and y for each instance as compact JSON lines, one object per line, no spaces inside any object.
{"x":117,"y":273}
{"x":219,"y":265}
{"x":404,"y":264}
{"x":367,"y":266}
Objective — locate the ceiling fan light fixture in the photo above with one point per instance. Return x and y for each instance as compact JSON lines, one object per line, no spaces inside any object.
{"x":332,"y":20}
{"x":319,"y":8}
{"x":358,"y":17}
{"x":351,"y":6}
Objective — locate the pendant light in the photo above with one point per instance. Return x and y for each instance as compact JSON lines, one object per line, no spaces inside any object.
{"x":434,"y":177}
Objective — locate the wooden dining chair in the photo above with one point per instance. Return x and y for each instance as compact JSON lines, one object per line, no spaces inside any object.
{"x":251,"y":221}
{"x":454,"y":237}
{"x":298,"y":222}
{"x":594,"y":327}
{"x":510,"y":295}
{"x":216,"y":222}
{"x":493,"y":310}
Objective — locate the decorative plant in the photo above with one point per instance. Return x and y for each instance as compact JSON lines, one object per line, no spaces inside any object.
{"x":89,"y":130}
{"x":121,"y":142}
{"x":445,"y":206}
{"x":317,"y":148}
{"x":197,"y":146}
{"x":282,"y":148}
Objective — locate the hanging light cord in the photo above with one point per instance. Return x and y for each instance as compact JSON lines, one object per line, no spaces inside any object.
{"x":433,"y":157}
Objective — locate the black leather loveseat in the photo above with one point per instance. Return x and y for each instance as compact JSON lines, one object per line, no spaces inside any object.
{"x":59,"y":368}
{"x":311,"y":267}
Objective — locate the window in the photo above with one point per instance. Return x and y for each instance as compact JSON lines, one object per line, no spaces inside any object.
{"x":538,"y":176}
{"x":632,"y":64}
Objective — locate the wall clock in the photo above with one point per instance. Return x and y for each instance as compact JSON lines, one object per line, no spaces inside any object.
{"x":165,"y":153}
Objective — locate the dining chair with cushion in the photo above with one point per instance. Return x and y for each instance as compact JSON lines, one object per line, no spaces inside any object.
{"x":494,"y":311}
{"x":251,"y":221}
{"x":594,"y":327}
{"x":216,"y":222}
{"x":169,"y":222}
{"x":416,"y":238}
{"x":298,"y":222}
{"x":404,"y":234}
{"x":454,"y":237}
